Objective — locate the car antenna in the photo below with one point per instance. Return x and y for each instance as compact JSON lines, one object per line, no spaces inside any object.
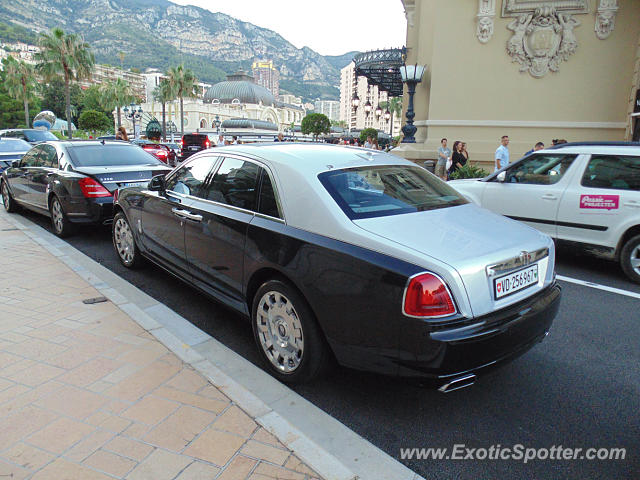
{"x":102,"y":141}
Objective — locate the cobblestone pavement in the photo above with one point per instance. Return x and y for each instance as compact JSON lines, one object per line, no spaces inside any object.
{"x":86,"y":393}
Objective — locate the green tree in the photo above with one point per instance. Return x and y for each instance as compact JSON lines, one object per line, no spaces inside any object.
{"x":315,"y":123}
{"x":394,"y":105}
{"x":53,"y":97}
{"x":20,"y":83}
{"x":64,"y":56}
{"x":116,"y":93}
{"x":94,"y":120}
{"x":91,"y":99}
{"x":12,"y":110}
{"x":339,"y":123}
{"x":183,"y":82}
{"x":164,"y":93}
{"x":368,"y":132}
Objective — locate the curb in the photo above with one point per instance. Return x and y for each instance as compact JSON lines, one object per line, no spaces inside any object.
{"x":329,"y":447}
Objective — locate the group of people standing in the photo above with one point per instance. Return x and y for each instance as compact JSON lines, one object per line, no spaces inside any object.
{"x":449,"y":161}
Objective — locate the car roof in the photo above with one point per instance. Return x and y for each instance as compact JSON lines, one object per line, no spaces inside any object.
{"x":313,"y":158}
{"x":594,"y":148}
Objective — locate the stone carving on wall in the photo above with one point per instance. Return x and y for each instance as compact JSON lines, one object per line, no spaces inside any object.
{"x":515,"y":8}
{"x":486,"y":12}
{"x":606,"y":18}
{"x":542,"y":40}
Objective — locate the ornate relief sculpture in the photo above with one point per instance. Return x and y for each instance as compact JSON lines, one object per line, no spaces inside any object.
{"x":541,"y":40}
{"x":486,"y":12}
{"x":606,"y":18}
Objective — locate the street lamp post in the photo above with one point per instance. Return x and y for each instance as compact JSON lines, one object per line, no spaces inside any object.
{"x":217,"y":124}
{"x":411,"y":75}
{"x":388,"y":116}
{"x":133,"y":115}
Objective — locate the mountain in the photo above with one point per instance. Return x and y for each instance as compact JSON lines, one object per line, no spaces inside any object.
{"x":158,"y":34}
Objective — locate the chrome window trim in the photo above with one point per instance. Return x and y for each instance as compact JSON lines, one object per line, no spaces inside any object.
{"x":514,"y":263}
{"x":428,"y":317}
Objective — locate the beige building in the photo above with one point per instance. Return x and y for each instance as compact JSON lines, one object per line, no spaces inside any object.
{"x":266,"y":75}
{"x":533,"y":70}
{"x":103,"y":73}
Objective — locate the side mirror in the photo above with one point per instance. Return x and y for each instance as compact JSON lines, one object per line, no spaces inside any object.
{"x":502,"y":177}
{"x":158,"y":184}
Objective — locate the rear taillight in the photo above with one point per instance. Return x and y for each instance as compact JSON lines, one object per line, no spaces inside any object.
{"x":428,"y":296}
{"x":207,"y":144}
{"x":92,"y":189}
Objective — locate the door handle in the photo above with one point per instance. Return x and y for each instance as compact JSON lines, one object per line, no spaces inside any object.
{"x":549,"y":196}
{"x":186,"y":214}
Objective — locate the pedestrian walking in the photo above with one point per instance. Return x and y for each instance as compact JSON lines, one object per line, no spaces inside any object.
{"x":280,"y":137}
{"x":220,"y":141}
{"x":464,"y":151}
{"x":458,"y":160}
{"x":502,"y":153}
{"x":368,"y":143}
{"x":444,"y":155}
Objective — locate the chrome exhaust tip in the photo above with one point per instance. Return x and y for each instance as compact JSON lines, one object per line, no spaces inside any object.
{"x":458,"y":383}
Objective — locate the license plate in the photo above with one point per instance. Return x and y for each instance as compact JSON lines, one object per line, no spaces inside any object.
{"x":193,"y":149}
{"x":515,"y":281}
{"x":136,"y":184}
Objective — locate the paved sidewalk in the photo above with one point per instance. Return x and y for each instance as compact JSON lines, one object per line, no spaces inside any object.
{"x":86,"y":393}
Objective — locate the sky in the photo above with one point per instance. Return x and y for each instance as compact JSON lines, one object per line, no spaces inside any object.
{"x":330,"y":27}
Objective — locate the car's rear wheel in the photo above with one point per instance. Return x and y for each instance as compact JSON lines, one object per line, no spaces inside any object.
{"x":287,"y":334}
{"x":124,"y":243}
{"x":630,"y":258}
{"x":8,"y":201}
{"x":62,"y":227}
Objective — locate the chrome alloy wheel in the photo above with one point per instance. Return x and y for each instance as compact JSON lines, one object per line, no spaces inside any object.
{"x":634,"y":259}
{"x":5,"y":196}
{"x":124,"y":240}
{"x":280,"y":331}
{"x":57,"y":215}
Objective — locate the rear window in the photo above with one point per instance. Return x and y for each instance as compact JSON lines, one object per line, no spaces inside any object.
{"x":16,"y":145}
{"x":110,"y":154}
{"x":366,"y":192}
{"x":39,"y":135}
{"x":194,"y":139}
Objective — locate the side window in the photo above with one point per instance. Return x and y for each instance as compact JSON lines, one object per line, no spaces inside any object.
{"x":189,"y":179}
{"x":268,"y":203}
{"x":30,"y":159}
{"x":612,"y":171}
{"x":540,"y":169}
{"x":235,"y":184}
{"x":49,"y":156}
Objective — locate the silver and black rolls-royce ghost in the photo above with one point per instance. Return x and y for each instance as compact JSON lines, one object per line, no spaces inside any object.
{"x":346,"y":253}
{"x":73,"y":182}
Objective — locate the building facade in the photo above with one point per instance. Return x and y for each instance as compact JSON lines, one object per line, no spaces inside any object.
{"x":533,"y":70}
{"x":267,"y":76}
{"x":330,"y":108}
{"x":102,"y":73}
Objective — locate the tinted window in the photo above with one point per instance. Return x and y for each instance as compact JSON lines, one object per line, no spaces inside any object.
{"x":49,"y":157}
{"x":39,"y":135}
{"x":268,"y":204}
{"x":365,"y":192}
{"x":31,"y":158}
{"x":14,"y":146}
{"x":188,"y":180}
{"x":93,"y":155}
{"x":613,"y":171}
{"x":544,"y":169}
{"x":235,"y":184}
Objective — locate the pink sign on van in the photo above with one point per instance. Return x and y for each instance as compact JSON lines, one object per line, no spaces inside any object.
{"x":609,"y":202}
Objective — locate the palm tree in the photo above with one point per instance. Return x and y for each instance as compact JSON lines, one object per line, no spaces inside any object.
{"x":164,"y":93}
{"x":183,"y":83}
{"x":116,"y":93}
{"x":66,"y":55}
{"x":394,"y":105}
{"x":20,"y":83}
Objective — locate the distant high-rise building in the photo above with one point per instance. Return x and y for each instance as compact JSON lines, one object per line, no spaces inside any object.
{"x":266,"y":75}
{"x":330,"y":108}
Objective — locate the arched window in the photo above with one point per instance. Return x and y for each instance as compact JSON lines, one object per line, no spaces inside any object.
{"x":235,"y":101}
{"x":215,"y":101}
{"x":203,"y":123}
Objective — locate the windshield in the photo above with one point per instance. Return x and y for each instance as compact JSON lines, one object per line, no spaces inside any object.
{"x":366,"y":192}
{"x":110,"y":154}
{"x":39,"y":135}
{"x":14,"y":146}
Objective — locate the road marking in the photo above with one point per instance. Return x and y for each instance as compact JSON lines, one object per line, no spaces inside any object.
{"x":619,"y":291}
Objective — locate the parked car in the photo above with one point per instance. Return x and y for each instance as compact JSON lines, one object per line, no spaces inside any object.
{"x":587,"y":195}
{"x":175,"y":147}
{"x":73,"y":181}
{"x":403,"y":277}
{"x":193,"y":143}
{"x":31,"y":135}
{"x":11,"y":149}
{"x":158,"y":150}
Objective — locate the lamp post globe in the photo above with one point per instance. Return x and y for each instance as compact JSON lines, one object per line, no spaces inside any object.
{"x":411,"y":75}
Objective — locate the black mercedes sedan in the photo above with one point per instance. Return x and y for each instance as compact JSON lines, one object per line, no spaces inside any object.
{"x":346,"y":253}
{"x":73,"y":182}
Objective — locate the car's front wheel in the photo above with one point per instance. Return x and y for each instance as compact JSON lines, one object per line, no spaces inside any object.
{"x":8,"y":201}
{"x":287,"y":334}
{"x":124,"y":243}
{"x":630,"y":258}
{"x":62,"y":227}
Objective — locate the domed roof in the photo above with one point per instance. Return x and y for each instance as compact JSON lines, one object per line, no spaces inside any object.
{"x":239,"y":87}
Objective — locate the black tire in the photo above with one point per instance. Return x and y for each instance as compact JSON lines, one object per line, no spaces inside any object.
{"x":61,"y":225}
{"x":9,"y":203}
{"x":313,"y":358}
{"x":124,"y":242}
{"x":630,"y":258}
